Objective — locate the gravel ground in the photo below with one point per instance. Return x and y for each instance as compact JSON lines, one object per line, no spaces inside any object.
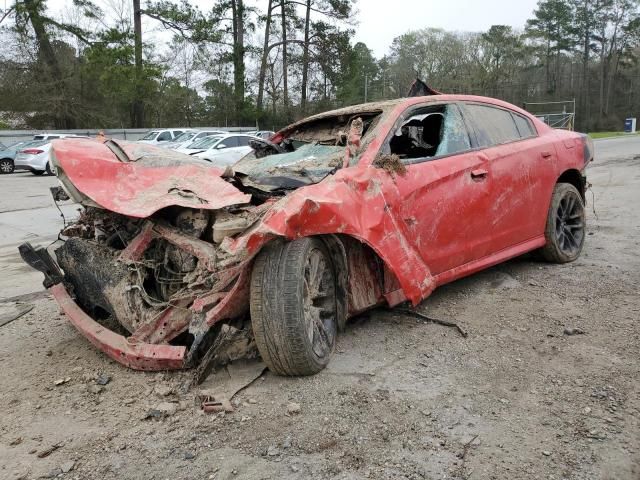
{"x":525,"y":396}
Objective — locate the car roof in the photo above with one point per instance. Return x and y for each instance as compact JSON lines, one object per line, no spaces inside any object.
{"x":387,"y":106}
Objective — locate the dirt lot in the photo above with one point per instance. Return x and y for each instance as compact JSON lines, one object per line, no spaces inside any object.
{"x":517,"y":399}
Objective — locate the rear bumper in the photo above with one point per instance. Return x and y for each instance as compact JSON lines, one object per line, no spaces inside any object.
{"x":138,"y":356}
{"x":38,"y":163}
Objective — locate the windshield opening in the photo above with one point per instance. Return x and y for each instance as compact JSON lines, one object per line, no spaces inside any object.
{"x":150,"y":135}
{"x":306,"y":154}
{"x":205,"y":143}
{"x":185,"y":137}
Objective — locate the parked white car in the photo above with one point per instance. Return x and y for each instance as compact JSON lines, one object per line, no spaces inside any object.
{"x":200,"y":145}
{"x":35,"y":158}
{"x":50,"y":136}
{"x":227,"y":150}
{"x":189,"y":137}
{"x":158,"y":137}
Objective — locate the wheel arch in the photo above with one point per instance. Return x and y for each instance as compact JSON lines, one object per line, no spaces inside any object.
{"x":360,"y":272}
{"x":575,"y":178}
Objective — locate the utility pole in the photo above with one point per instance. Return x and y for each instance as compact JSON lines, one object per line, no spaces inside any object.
{"x":138,"y":105}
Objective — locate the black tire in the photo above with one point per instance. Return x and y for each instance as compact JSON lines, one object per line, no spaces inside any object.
{"x":294,"y":306}
{"x":37,"y":172}
{"x":565,"y":230}
{"x":48,"y":169}
{"x":6,"y":166}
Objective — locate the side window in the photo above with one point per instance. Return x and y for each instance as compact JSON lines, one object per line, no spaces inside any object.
{"x":230,"y":142}
{"x":525,"y":128}
{"x":177,"y":132}
{"x":164,"y":137}
{"x":431,"y":132}
{"x":243,"y":141}
{"x":494,"y":126}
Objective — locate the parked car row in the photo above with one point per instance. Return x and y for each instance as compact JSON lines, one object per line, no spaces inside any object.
{"x":216,"y":146}
{"x":31,"y":155}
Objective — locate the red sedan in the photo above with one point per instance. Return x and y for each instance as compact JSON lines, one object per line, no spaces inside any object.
{"x":173,"y":260}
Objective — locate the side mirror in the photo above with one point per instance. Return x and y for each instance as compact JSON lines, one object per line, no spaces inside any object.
{"x":220,"y":146}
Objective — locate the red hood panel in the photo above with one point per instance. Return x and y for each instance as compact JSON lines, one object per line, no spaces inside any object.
{"x":154,"y":178}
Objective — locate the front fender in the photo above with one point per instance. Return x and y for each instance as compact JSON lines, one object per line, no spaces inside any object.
{"x":351,"y":202}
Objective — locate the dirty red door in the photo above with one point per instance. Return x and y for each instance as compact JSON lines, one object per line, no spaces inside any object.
{"x":521,"y":174}
{"x":443,"y":200}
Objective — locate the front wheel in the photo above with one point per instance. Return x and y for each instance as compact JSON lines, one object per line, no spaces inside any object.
{"x":566,"y":225}
{"x":294,"y":306}
{"x":6,"y":165}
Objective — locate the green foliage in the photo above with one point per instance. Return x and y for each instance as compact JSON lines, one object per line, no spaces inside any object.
{"x":83,"y":72}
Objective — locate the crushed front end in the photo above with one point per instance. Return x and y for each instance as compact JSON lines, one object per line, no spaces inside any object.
{"x":152,"y":291}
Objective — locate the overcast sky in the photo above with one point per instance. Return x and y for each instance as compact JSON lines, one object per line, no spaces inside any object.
{"x":383,"y":20}
{"x":380,"y":21}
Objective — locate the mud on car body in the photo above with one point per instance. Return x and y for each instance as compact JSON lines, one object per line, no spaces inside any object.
{"x":343,"y":211}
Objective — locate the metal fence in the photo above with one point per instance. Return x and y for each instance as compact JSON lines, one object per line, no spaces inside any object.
{"x":11,"y":136}
{"x":555,"y":114}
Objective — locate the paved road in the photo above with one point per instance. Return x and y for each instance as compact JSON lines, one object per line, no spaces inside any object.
{"x":27,"y":213}
{"x":618,"y":147}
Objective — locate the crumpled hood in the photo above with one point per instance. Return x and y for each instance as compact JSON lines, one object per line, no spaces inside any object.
{"x":137,"y":180}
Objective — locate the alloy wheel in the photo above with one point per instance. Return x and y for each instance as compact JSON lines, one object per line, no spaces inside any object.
{"x":319,"y":303}
{"x":570,"y":224}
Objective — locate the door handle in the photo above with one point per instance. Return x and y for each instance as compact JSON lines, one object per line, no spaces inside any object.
{"x":479,"y":174}
{"x":546,"y":154}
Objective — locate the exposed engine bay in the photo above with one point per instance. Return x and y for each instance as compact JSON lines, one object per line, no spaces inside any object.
{"x":142,"y":277}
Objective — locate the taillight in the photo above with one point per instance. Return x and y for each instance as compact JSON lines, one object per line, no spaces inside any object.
{"x":32,"y":151}
{"x":589,"y":149}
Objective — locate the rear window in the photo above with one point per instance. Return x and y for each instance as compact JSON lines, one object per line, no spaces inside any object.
{"x":524,"y":125}
{"x":494,"y":126}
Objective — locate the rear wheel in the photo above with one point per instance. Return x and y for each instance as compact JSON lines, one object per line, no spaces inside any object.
{"x":566,"y":225}
{"x":294,"y":306}
{"x":48,"y":169}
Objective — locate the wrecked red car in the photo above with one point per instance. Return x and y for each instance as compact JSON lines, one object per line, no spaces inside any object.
{"x":171,"y":259}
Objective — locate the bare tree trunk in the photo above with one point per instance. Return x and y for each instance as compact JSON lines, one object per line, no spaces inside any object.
{"x":613,"y":73}
{"x":584,"y":94}
{"x":265,"y":54}
{"x":305,"y":59}
{"x":603,"y":69}
{"x":138,"y":105}
{"x":547,"y":66}
{"x":284,"y":60}
{"x":46,"y":54}
{"x":237,"y":9}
